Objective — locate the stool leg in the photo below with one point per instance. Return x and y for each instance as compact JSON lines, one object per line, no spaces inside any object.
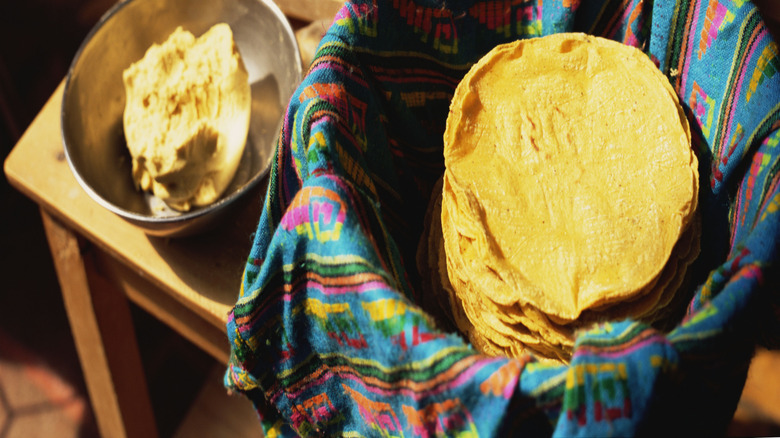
{"x":102,"y":327}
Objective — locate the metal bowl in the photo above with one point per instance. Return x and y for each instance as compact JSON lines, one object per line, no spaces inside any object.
{"x":94,"y":99}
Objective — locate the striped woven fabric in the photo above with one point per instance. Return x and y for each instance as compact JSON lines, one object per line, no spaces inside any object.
{"x":330,"y":336}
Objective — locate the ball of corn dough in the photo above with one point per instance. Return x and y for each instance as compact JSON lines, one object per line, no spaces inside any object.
{"x":186,"y":117}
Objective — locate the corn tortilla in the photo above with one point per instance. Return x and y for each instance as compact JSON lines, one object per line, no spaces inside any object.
{"x":569,"y":175}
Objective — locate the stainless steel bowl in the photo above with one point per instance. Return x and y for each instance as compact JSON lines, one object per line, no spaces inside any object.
{"x":94,"y":99}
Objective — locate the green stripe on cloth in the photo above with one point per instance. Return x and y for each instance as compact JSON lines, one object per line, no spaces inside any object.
{"x":328,"y":335}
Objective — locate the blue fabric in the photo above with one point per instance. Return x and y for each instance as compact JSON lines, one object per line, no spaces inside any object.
{"x":329,"y":336}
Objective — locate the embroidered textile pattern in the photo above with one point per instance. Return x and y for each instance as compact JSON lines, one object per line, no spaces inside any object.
{"x":330,"y":335}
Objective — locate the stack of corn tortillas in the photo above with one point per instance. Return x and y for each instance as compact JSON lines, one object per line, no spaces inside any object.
{"x":569,"y":195}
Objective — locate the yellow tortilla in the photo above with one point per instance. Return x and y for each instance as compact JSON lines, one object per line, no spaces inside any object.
{"x":569,"y":196}
{"x":569,"y":175}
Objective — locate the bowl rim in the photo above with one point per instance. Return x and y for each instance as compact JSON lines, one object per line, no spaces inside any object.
{"x":215,"y":206}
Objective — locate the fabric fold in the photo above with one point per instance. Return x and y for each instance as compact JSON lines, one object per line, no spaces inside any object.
{"x":328,"y":335}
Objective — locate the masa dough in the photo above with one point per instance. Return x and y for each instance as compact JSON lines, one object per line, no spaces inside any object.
{"x":186,"y":117}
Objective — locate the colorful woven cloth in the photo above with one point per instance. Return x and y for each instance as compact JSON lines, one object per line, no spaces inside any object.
{"x":329,"y":334}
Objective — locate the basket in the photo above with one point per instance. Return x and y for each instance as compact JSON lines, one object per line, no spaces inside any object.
{"x":331,"y":334}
